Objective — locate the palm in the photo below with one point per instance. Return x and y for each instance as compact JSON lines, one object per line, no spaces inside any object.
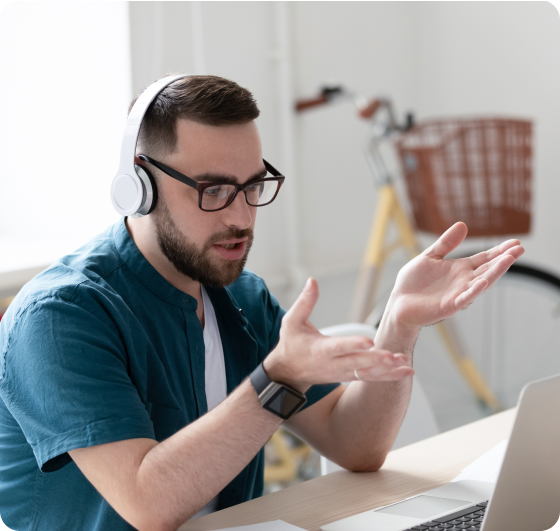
{"x":429,"y":288}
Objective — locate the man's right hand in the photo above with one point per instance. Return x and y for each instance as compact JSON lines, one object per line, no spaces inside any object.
{"x":305,"y":357}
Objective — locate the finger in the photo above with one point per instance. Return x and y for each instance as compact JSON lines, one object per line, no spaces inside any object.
{"x":398,"y":373}
{"x":497,"y":270}
{"x":515,"y":251}
{"x":346,"y":346}
{"x":376,"y":366}
{"x":448,"y":241}
{"x":388,"y":365}
{"x":383,"y":359}
{"x":467,"y":297}
{"x":303,"y":306}
{"x":486,"y":256}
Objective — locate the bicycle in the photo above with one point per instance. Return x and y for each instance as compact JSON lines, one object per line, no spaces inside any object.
{"x":527,"y":293}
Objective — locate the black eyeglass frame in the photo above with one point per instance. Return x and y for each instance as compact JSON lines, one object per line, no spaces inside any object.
{"x":200,"y":187}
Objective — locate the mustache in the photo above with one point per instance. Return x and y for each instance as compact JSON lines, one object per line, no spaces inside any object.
{"x":230,"y":235}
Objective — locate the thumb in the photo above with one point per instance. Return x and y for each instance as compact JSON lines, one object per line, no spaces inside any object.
{"x":448,"y":241}
{"x":303,"y":306}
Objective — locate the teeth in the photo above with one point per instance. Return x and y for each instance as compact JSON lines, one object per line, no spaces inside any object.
{"x":228,"y":245}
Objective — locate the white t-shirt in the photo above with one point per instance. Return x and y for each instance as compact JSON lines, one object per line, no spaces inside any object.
{"x":214,"y":374}
{"x":215,"y":368}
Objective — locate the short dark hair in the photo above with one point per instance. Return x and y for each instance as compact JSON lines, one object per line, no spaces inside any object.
{"x":209,"y":100}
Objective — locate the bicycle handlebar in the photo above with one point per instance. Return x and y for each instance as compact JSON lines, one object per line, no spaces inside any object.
{"x":365,"y":112}
{"x":366,"y":109}
{"x":304,"y":104}
{"x":370,"y":109}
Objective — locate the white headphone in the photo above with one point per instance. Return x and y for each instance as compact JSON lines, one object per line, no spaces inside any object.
{"x":134,"y":191}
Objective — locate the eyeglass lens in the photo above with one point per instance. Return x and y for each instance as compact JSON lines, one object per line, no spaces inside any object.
{"x":259,"y":193}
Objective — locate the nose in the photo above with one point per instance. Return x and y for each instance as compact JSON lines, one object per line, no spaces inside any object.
{"x":239,"y":215}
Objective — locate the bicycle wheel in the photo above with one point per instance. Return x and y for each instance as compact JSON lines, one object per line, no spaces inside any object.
{"x":512,"y":332}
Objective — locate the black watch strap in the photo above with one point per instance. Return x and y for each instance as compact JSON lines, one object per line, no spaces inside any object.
{"x":276,"y":397}
{"x":259,"y":379}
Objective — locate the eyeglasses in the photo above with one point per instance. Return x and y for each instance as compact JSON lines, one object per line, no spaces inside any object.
{"x":217,"y":196}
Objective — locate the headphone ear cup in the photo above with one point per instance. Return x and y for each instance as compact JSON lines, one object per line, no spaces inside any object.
{"x":150,"y":190}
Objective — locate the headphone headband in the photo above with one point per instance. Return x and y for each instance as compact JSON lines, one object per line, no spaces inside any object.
{"x":129,"y":191}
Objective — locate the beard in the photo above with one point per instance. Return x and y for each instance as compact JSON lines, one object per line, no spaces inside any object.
{"x":192,"y":262}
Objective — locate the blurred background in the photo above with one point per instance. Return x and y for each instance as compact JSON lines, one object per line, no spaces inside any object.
{"x":70,"y":69}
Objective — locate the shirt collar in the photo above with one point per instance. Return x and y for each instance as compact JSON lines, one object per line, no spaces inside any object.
{"x":157,"y":284}
{"x":145,"y":272}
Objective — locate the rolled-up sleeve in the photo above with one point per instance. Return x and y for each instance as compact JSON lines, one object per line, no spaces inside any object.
{"x":65,"y":381}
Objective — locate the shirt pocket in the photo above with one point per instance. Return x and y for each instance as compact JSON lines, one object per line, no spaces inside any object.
{"x":166,"y":420}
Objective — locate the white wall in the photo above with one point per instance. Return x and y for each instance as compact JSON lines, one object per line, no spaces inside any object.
{"x":500,"y":57}
{"x":437,"y":59}
{"x":64,"y":88}
{"x":367,"y":47}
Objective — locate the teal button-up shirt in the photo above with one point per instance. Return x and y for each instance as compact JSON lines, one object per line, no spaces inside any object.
{"x":101,"y":348}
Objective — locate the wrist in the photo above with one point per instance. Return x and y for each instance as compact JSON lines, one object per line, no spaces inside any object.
{"x":396,"y":314}
{"x":394,"y":330}
{"x":277,"y":373}
{"x":280,"y":399}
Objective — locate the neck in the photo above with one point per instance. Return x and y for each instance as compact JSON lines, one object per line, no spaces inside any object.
{"x":143,"y":234}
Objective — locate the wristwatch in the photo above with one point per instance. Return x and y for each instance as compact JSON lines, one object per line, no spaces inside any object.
{"x":276,"y":397}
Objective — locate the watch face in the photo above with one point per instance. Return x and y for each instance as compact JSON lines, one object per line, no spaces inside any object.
{"x":284,"y":403}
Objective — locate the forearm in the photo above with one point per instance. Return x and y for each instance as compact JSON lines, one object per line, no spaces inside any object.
{"x":171,"y":481}
{"x":367,"y":417}
{"x":365,"y":422}
{"x":180,"y":475}
{"x":357,"y":427}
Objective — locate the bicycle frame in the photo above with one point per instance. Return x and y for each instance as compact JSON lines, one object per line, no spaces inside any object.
{"x":389,"y":209}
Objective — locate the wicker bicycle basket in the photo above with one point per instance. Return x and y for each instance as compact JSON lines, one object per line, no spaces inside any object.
{"x":472,"y":170}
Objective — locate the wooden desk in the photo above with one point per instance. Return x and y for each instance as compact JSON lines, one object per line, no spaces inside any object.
{"x":407,"y":471}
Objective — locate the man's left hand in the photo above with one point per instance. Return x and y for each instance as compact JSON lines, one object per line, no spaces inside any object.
{"x":429,"y":288}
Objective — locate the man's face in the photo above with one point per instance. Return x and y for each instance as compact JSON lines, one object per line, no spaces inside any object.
{"x":208,"y":247}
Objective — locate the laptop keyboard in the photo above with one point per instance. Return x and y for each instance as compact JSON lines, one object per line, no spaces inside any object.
{"x":469,"y":519}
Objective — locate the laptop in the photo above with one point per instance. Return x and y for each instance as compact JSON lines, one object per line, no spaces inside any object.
{"x":526,"y":496}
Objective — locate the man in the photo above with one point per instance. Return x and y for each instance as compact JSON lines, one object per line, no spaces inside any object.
{"x":123,"y":368}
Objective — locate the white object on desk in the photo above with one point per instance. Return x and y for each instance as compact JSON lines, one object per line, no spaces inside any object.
{"x":487,"y":466}
{"x":276,"y":525}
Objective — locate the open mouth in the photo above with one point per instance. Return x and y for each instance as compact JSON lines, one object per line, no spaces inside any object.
{"x":233,"y":249}
{"x":232,"y":244}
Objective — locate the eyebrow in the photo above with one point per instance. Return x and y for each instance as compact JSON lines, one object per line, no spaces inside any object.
{"x":225,"y":179}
